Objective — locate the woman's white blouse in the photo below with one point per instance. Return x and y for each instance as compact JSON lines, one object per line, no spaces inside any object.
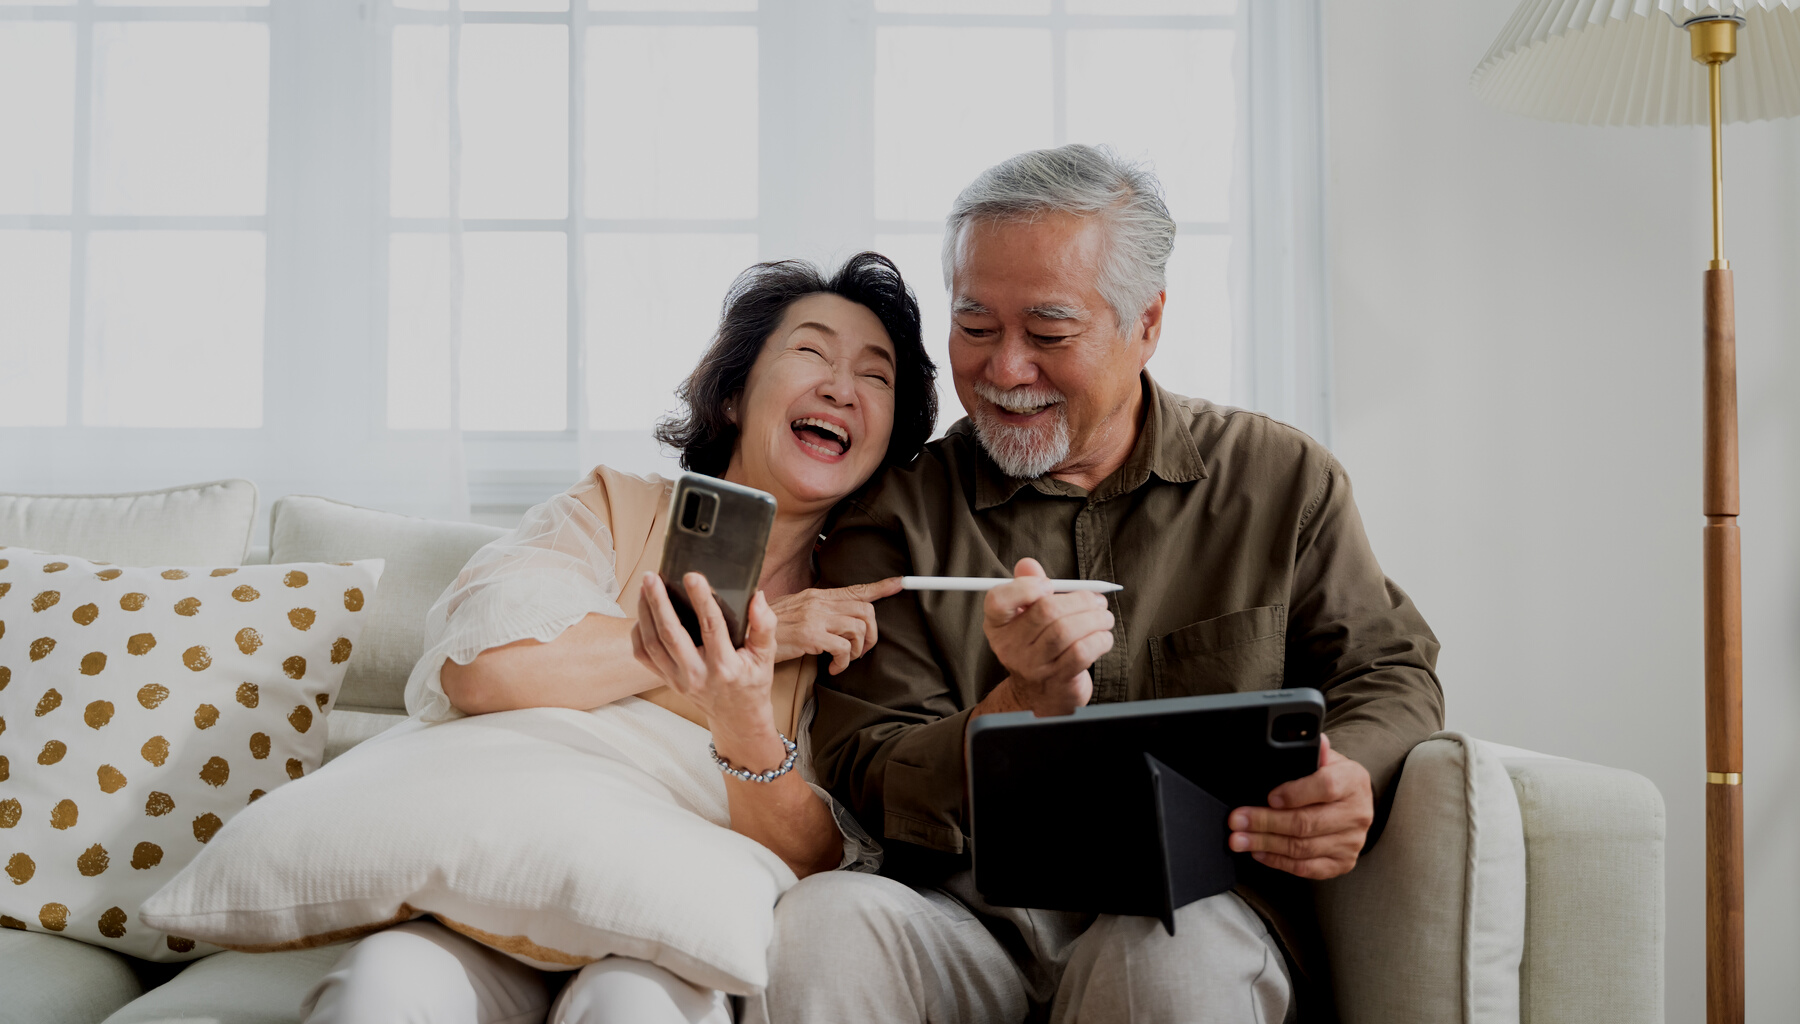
{"x":559,"y":566}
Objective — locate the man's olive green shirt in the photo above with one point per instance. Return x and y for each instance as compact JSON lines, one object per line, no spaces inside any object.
{"x":1244,"y":565}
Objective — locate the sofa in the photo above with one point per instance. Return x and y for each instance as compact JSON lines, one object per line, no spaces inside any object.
{"x":1509,"y":887}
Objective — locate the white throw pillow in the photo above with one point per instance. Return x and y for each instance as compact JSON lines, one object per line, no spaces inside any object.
{"x":140,"y":709}
{"x":197,"y":524}
{"x":423,"y":557}
{"x":556,"y":836}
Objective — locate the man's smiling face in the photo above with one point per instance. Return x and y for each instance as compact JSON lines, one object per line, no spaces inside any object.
{"x":1040,"y":364}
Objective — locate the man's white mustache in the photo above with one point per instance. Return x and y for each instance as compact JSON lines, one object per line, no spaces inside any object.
{"x":1019,"y":399}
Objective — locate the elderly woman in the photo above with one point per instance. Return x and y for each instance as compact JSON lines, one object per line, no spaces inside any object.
{"x":810,"y":387}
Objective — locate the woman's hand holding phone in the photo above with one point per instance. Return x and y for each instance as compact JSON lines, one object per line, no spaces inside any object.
{"x":730,"y":685}
{"x":838,"y":622}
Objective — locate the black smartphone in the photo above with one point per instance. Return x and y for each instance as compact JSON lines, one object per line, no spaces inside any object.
{"x":719,"y":530}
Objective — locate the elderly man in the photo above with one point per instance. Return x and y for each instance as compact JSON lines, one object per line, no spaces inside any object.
{"x":1245,"y":567}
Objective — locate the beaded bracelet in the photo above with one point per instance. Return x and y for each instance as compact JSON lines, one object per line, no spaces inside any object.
{"x":793,"y":753}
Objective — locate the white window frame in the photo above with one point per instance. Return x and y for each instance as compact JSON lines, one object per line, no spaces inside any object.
{"x":1281,"y":358}
{"x":326,"y":229}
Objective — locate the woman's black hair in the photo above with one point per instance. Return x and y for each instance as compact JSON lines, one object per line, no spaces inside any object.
{"x":753,"y":309}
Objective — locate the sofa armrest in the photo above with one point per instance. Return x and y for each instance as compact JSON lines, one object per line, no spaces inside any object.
{"x":1508,"y":886}
{"x":1429,"y":927}
{"x":1594,"y":891}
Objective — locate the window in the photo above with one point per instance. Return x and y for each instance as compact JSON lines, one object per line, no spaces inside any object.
{"x":355,"y":248}
{"x":132,"y":228}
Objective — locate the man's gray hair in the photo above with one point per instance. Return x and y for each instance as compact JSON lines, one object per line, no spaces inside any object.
{"x":1085,"y":180}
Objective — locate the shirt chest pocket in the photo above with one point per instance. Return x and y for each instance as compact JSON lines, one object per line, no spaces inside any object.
{"x":1233,"y":653}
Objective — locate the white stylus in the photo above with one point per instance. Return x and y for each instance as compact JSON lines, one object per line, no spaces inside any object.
{"x":990,"y":582}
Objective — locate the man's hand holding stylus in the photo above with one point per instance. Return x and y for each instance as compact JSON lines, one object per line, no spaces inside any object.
{"x":1046,"y":640}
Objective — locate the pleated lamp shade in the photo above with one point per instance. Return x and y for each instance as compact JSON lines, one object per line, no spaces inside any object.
{"x":1627,"y":62}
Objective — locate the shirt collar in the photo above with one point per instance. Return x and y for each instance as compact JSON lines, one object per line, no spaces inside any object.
{"x":1164,"y":449}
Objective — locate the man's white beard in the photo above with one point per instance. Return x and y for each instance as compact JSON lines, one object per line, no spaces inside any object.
{"x":1022,"y":452}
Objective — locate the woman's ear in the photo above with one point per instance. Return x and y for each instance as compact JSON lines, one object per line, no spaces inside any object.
{"x":731,"y":407}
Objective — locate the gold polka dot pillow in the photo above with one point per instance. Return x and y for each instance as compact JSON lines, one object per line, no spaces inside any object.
{"x":139,"y":710}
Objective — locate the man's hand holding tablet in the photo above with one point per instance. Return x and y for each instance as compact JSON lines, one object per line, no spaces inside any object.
{"x":1314,"y":827}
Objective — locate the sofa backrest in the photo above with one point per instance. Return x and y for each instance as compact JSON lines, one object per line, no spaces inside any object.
{"x":195,"y":524}
{"x":423,"y":557}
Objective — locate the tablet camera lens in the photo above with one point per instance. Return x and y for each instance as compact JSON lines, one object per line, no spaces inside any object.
{"x":1294,"y":728}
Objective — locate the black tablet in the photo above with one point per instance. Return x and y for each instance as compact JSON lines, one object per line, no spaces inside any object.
{"x":1121,"y":808}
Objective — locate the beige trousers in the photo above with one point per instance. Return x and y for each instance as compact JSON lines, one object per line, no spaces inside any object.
{"x":856,"y":947}
{"x":423,"y":973}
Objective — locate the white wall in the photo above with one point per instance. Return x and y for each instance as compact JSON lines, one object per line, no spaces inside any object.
{"x":1516,"y":328}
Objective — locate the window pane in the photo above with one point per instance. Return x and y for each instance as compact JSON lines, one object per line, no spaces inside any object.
{"x":671,"y":5}
{"x":515,"y":5}
{"x":963,"y":6}
{"x":485,"y":5}
{"x":921,"y":265}
{"x":1152,"y":6}
{"x":181,"y":117}
{"x":1186,"y":71}
{"x":515,"y":330}
{"x":34,"y":327}
{"x":514,"y":96}
{"x":671,"y":121}
{"x":37,"y":116}
{"x":182,"y":3}
{"x":419,"y":139}
{"x":174,"y":329}
{"x":1194,"y":355}
{"x":653,"y":306}
{"x":418,"y":338}
{"x":949,"y":103}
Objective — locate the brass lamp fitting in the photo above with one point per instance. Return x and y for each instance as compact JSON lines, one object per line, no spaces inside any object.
{"x":1713,"y":40}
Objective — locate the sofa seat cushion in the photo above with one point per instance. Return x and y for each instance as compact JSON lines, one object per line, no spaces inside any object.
{"x":239,"y":988}
{"x":423,"y":557}
{"x":197,"y":524}
{"x":345,"y":729}
{"x":47,"y":979}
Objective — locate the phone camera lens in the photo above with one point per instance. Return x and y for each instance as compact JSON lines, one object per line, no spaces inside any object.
{"x":698,"y":510}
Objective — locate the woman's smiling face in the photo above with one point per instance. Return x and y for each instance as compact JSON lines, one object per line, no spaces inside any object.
{"x":817,"y":409}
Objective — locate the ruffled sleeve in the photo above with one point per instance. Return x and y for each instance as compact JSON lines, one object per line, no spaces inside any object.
{"x":556,"y":568}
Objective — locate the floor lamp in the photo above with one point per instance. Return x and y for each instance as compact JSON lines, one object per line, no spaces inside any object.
{"x":1632,"y":62}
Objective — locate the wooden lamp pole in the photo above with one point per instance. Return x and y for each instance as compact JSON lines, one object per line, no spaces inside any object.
{"x":1713,"y":42}
{"x":1575,"y":60}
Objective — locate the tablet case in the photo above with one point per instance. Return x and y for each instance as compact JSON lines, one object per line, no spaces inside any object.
{"x":1121,"y":808}
{"x":1192,"y":831}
